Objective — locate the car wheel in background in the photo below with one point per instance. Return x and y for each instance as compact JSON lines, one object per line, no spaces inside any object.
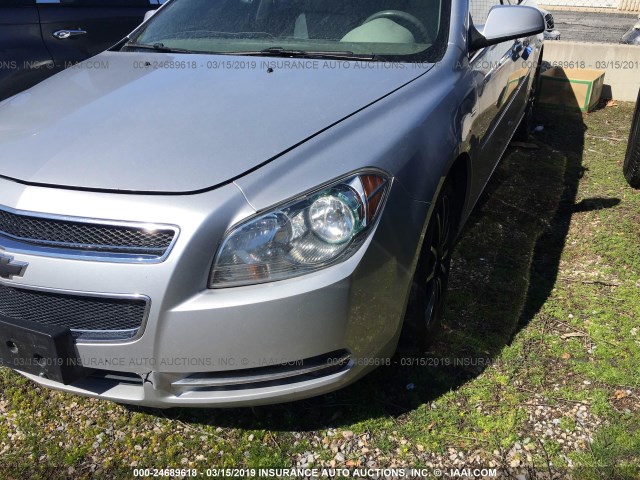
{"x":632,"y":159}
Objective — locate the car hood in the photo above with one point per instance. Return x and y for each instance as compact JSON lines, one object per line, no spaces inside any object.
{"x":151,"y":122}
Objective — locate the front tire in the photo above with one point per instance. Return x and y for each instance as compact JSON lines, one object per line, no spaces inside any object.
{"x":632,"y":159}
{"x":425,"y":310}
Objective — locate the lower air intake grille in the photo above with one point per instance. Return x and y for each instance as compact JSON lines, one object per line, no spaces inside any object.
{"x":296,"y":371}
{"x":88,"y":318}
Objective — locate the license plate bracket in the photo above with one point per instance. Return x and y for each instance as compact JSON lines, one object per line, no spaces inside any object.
{"x":39,"y":349}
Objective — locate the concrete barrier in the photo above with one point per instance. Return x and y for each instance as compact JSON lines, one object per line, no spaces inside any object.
{"x":620,"y":62}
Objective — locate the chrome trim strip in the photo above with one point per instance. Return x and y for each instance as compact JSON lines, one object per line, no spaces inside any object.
{"x":111,"y":296}
{"x":14,"y":244}
{"x":201,"y":381}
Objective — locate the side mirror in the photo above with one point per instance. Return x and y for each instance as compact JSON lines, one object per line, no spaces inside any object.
{"x":506,"y":22}
{"x":148,"y":15}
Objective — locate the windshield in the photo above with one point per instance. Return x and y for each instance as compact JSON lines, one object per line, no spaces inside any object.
{"x":403,"y":30}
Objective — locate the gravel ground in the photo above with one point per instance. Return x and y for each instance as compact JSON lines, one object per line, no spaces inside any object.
{"x":570,"y":425}
{"x":593,"y":27}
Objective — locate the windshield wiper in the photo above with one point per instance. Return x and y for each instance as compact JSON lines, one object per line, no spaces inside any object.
{"x":157,"y":47}
{"x":208,"y":34}
{"x":267,"y":52}
{"x":284,"y":52}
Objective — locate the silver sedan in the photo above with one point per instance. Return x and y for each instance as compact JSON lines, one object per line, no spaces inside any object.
{"x":247,"y":201}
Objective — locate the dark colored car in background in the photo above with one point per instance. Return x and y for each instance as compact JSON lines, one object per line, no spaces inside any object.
{"x":41,"y":37}
{"x":632,"y":37}
{"x":632,"y":158}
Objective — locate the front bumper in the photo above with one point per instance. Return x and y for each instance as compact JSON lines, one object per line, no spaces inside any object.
{"x":356,"y":306}
{"x":146,"y":393}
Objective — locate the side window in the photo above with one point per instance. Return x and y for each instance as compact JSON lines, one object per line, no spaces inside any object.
{"x":479,"y":9}
{"x":107,"y":3}
{"x":17,"y":3}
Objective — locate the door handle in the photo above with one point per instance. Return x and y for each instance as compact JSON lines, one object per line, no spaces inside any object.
{"x":64,"y":34}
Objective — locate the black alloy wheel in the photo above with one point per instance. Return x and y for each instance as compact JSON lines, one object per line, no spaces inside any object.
{"x":428,"y":293}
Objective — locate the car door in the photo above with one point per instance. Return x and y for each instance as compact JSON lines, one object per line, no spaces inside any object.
{"x":24,"y":59}
{"x":501,"y":73}
{"x":75,"y":30}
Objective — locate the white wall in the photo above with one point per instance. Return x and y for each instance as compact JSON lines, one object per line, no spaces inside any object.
{"x":621,"y":5}
{"x":620,"y":62}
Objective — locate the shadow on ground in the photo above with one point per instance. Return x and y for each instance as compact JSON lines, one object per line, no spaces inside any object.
{"x":504,"y":269}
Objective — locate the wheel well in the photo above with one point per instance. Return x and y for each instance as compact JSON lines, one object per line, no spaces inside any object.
{"x":457,"y":178}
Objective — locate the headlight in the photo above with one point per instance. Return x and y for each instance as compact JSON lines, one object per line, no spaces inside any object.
{"x":303,"y":235}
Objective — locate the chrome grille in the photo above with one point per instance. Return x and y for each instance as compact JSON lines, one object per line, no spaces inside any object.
{"x":89,"y":318}
{"x":89,"y":236}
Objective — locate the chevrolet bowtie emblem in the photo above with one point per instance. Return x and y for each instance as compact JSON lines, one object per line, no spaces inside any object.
{"x":9,"y":268}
